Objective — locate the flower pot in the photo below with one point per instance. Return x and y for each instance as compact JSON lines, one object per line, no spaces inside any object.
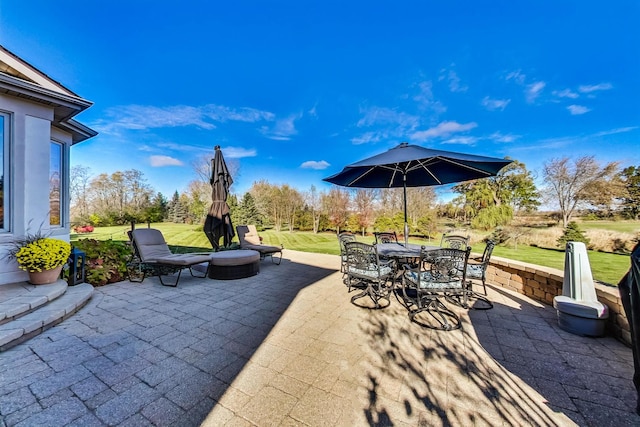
{"x":44,"y":277}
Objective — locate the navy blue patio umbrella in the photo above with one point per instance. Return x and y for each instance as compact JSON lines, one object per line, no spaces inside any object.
{"x":218,"y":221}
{"x":414,"y":166}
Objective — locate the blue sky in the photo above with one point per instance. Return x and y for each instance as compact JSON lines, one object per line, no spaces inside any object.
{"x":293,"y":90}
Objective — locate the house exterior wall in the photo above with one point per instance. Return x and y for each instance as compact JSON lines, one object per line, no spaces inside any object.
{"x":31,"y":133}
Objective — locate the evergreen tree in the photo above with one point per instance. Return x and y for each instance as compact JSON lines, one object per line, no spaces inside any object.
{"x":172,"y":206}
{"x":248,"y":212}
{"x":573,"y":233}
{"x":157,"y":211}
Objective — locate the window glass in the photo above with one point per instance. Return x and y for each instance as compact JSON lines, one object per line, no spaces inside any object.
{"x":4,"y":149}
{"x":55,"y":185}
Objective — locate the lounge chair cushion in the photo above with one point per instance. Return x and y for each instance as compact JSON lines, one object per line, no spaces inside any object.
{"x":180,"y":259}
{"x":252,"y":239}
{"x":263,"y":248}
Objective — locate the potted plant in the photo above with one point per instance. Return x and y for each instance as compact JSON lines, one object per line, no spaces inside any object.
{"x":42,"y":257}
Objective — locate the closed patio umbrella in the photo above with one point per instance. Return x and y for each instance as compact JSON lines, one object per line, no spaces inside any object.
{"x":414,"y":166}
{"x":218,"y":222}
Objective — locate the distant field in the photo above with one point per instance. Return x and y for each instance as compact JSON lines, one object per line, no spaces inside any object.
{"x":632,"y":227}
{"x":606,"y":267}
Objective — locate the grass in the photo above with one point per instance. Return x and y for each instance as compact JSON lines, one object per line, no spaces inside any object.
{"x":632,"y":227}
{"x":606,"y":267}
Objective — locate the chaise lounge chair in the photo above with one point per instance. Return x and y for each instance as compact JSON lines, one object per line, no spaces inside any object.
{"x":249,"y":239}
{"x":154,"y":256}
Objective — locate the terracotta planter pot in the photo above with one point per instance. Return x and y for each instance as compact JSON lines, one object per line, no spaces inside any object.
{"x":44,"y":277}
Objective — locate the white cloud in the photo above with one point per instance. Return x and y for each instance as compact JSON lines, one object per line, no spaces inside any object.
{"x":443,"y":129}
{"x":387,"y":116}
{"x":533,"y":91}
{"x":495,"y":104}
{"x":389,"y":123}
{"x":142,"y":117}
{"x":615,"y":131}
{"x":594,"y":88}
{"x":367,"y":137}
{"x":317,"y":165}
{"x":565,"y":93}
{"x":516,"y":76}
{"x":577,"y":110}
{"x":462,"y":140}
{"x":160,"y":161}
{"x":220,"y":113}
{"x":497,"y":136}
{"x":454,"y":81}
{"x":283,"y":129}
{"x":426,"y":100}
{"x":239,"y":152}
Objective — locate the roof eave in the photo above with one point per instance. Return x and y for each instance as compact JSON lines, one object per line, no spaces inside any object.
{"x":65,"y":106}
{"x":78,"y":131}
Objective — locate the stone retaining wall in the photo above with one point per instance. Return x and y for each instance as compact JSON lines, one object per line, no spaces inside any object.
{"x":542,"y":284}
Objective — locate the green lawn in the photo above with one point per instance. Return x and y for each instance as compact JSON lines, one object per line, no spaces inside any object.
{"x":606,"y":267}
{"x":632,"y":227}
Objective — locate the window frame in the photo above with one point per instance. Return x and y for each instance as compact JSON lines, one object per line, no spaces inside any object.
{"x":5,"y":172}
{"x":61,"y":182}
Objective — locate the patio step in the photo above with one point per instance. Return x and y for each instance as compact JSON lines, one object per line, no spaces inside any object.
{"x":26,"y":310}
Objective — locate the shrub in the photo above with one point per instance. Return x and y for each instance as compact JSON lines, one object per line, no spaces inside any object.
{"x":83,"y":228}
{"x":106,"y":260}
{"x":573,"y":233}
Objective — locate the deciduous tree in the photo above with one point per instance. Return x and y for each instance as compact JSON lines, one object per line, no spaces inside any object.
{"x":630,"y":177}
{"x":336,"y":205}
{"x":576,"y":183}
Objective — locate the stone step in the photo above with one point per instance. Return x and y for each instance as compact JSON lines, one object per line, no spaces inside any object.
{"x":37,"y":308}
{"x":19,"y":299}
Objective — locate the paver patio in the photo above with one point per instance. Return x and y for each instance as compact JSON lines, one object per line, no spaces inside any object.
{"x":286,"y":347}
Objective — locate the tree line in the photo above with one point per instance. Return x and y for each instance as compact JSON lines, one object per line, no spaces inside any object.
{"x":572,"y":186}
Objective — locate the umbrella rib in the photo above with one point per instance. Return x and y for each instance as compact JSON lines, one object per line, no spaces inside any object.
{"x":423,"y":164}
{"x":467,"y":166}
{"x":359,"y":177}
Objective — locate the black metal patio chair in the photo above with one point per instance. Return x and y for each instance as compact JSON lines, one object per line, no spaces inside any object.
{"x":426,"y":287}
{"x":366,"y":271}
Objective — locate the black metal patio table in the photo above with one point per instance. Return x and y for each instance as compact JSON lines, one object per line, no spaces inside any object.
{"x":402,"y":251}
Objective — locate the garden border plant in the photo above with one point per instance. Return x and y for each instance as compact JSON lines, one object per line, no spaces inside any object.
{"x":106,"y":260}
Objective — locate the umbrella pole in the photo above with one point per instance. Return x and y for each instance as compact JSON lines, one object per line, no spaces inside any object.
{"x":406,"y":225}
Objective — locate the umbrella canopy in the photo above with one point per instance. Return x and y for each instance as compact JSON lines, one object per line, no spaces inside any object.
{"x":415,"y":166}
{"x":218,"y":222}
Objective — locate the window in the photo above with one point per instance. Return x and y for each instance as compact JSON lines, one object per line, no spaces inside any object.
{"x":4,"y":171}
{"x":55,"y":184}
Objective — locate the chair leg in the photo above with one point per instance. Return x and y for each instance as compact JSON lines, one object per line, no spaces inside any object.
{"x":375,"y":294}
{"x":481,"y":302}
{"x":445,"y":319}
{"x":206,"y":273}
{"x":279,"y":260}
{"x":139,"y":268}
{"x":173,"y":285}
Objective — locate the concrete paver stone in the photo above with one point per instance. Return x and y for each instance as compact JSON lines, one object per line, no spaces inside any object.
{"x":286,"y":347}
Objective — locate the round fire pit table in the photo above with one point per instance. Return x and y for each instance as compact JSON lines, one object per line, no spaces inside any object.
{"x":228,"y":265}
